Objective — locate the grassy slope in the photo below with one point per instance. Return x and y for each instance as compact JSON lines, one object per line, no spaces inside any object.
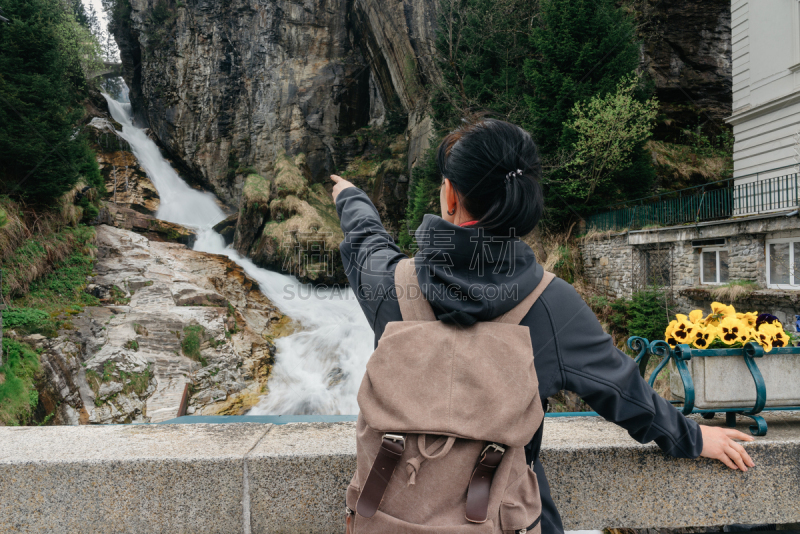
{"x":46,"y":259}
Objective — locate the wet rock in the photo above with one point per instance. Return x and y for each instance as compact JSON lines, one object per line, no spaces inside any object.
{"x":285,"y":76}
{"x":227,"y":228}
{"x":155,"y":229}
{"x":190,"y":295}
{"x":687,"y":53}
{"x":298,"y":231}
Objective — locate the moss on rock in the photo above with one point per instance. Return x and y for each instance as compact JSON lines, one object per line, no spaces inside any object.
{"x":297,"y":231}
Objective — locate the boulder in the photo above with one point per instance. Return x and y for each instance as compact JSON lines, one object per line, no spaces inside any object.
{"x":300,"y":232}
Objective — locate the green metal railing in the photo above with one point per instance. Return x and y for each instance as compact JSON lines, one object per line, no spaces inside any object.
{"x":717,"y":200}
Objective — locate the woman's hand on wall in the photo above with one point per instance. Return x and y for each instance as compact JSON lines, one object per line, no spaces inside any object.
{"x":719,"y":444}
{"x":341,"y":185}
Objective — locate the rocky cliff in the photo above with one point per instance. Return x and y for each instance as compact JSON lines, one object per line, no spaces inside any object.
{"x":171,"y":318}
{"x":687,"y":52}
{"x":227,"y":86}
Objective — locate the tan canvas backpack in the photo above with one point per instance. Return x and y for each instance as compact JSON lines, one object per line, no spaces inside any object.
{"x":445,"y":414}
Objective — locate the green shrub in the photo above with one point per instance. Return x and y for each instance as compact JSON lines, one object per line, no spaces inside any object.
{"x":424,"y":196}
{"x":18,"y":395}
{"x":649,"y":314}
{"x":28,"y":321}
{"x":192,"y":339}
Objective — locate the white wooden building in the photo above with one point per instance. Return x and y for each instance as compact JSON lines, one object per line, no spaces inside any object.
{"x":766,"y":88}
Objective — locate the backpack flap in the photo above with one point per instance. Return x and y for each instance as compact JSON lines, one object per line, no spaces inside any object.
{"x":431,"y":378}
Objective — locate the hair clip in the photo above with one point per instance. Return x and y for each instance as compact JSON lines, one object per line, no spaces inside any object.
{"x":510,"y":175}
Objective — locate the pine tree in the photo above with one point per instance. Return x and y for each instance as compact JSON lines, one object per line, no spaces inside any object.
{"x":482,"y":46}
{"x":581,"y":48}
{"x":44,"y":54}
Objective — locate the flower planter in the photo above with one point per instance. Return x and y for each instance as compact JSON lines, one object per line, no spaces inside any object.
{"x":742,"y":381}
{"x":723,"y":380}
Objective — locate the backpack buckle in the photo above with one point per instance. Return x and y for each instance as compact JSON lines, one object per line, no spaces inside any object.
{"x":397,"y":438}
{"x":494,"y":446}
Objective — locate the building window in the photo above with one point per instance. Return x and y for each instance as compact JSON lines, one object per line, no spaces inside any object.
{"x":782,"y":257}
{"x":714,"y":266}
{"x":652,"y":268}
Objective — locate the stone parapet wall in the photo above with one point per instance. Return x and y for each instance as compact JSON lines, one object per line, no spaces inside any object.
{"x":259,"y":478}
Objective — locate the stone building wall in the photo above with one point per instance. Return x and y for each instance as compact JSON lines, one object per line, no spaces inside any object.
{"x":610,"y":262}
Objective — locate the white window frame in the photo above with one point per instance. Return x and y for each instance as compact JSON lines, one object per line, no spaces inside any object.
{"x":793,"y":284}
{"x":717,"y":250}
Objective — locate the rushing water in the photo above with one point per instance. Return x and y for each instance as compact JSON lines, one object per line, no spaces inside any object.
{"x":318,"y":369}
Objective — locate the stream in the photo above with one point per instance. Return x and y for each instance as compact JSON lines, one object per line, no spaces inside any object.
{"x":318,"y":369}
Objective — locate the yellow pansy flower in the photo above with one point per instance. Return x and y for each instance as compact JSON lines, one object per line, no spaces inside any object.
{"x":703,"y":337}
{"x":776,"y":333}
{"x":764,"y":337}
{"x":683,"y":330}
{"x":696,"y":317}
{"x":748,"y":318}
{"x":720,"y":311}
{"x":731,"y":329}
{"x":668,"y":337}
{"x":746,"y":334}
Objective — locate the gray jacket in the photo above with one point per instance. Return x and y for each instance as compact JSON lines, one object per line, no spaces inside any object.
{"x":470,"y":275}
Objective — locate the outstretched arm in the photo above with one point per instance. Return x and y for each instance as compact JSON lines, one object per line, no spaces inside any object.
{"x":368,"y":252}
{"x":609,"y":381}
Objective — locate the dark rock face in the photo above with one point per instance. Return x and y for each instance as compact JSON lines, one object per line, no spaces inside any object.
{"x":227,"y":86}
{"x":687,"y":52}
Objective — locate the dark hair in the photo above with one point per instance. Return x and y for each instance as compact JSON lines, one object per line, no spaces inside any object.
{"x":482,"y":160}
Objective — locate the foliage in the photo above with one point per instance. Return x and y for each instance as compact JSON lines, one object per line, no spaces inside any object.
{"x":580,"y":48}
{"x":45,"y":56}
{"x":55,"y":296}
{"x":3,"y":218}
{"x":724,"y":327}
{"x":608,"y":131}
{"x":137,"y":383}
{"x":29,"y":267}
{"x":564,"y":265}
{"x":117,"y":296}
{"x":482,"y":47}
{"x":648,"y":311}
{"x":644,"y":314}
{"x":192,"y":339}
{"x":26,"y":320}
{"x":531,"y":62}
{"x":132,"y":344}
{"x":90,"y":209}
{"x":18,"y":395}
{"x":423,"y":197}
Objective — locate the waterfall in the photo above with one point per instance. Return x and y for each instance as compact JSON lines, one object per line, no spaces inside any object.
{"x":318,"y":370}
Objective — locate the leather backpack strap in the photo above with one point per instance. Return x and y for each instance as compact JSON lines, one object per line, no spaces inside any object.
{"x":389,"y":454}
{"x":480,"y":484}
{"x":412,"y":302}
{"x":518,"y":313}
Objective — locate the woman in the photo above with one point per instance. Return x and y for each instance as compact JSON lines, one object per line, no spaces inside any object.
{"x":472,"y":267}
